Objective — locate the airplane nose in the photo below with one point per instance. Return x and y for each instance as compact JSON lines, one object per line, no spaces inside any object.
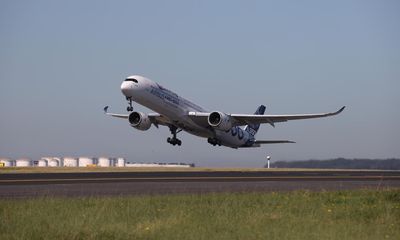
{"x":126,"y":88}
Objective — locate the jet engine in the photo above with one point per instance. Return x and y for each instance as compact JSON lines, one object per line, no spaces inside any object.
{"x":220,"y":121}
{"x":139,"y":121}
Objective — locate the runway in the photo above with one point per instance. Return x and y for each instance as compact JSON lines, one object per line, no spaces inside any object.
{"x":22,"y":185}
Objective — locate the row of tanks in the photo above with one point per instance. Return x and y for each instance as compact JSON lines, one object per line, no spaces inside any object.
{"x":63,"y":162}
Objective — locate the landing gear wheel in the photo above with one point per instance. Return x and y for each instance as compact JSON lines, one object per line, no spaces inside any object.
{"x":214,"y":141}
{"x":174,"y":141}
{"x":129,"y":108}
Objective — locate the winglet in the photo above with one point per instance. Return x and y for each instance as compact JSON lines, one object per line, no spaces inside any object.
{"x":335,"y":113}
{"x":340,"y":110}
{"x":105,"y":109}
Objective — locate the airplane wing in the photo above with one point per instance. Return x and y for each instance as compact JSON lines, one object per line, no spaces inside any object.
{"x":244,"y":119}
{"x":155,"y":118}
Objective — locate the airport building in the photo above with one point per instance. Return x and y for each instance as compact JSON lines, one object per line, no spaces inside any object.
{"x":70,"y":162}
{"x":6,"y":162}
{"x":174,"y":165}
{"x":23,"y":162}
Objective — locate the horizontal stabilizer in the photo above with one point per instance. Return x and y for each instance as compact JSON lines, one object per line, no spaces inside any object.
{"x":258,"y":143}
{"x":272,"y":141}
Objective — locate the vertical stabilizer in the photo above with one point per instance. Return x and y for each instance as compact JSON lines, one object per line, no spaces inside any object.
{"x":253,"y":128}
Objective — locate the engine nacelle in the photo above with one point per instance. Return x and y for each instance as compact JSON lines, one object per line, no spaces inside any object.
{"x":139,"y":121}
{"x":220,"y":121}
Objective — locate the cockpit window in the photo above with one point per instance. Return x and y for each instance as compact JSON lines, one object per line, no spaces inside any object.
{"x":131,"y":80}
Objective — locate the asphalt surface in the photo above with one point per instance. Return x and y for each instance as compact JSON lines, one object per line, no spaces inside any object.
{"x":22,"y":185}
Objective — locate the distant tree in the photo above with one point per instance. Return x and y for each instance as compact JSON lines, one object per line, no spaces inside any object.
{"x":342,"y":163}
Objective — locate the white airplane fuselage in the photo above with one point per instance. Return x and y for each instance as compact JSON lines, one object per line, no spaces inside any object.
{"x":178,"y":113}
{"x":169,"y":104}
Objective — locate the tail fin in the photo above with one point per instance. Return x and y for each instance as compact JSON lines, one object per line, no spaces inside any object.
{"x":253,"y":128}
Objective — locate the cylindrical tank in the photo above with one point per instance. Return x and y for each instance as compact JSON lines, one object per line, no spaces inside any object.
{"x":104,"y":162}
{"x":70,"y":162}
{"x":120,"y":162}
{"x":54,"y":162}
{"x":113,"y":162}
{"x":60,"y":161}
{"x":42,"y":163}
{"x":85,"y":161}
{"x":7,"y":162}
{"x":23,"y":162}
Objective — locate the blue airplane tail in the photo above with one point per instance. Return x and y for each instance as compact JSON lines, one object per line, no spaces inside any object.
{"x":253,"y":128}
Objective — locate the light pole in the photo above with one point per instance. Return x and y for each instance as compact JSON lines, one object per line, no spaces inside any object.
{"x":268,"y":158}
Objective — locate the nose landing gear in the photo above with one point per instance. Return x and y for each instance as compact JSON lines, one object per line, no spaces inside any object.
{"x":174,"y":141}
{"x":129,"y":108}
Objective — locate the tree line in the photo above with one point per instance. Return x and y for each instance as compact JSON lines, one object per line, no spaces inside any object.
{"x":341,"y":163}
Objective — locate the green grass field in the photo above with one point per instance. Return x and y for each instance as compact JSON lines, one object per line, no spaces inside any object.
{"x":363,"y":214}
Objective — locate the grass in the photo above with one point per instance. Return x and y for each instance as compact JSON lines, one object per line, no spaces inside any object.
{"x":148,"y":169}
{"x":362,"y":214}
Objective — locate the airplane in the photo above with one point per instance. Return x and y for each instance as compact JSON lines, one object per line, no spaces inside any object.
{"x":180,"y":114}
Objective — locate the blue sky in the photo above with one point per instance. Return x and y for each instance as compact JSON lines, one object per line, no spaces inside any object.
{"x":62,"y":61}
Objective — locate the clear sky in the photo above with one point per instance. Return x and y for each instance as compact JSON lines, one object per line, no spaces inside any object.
{"x":61,"y":62}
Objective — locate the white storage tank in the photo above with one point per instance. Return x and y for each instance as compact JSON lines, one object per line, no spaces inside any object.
{"x":120,"y":162}
{"x":70,"y":162}
{"x":7,"y":162}
{"x":60,"y":161}
{"x":54,"y":162}
{"x":104,"y":162}
{"x":23,"y":162}
{"x":42,"y":163}
{"x":85,"y":161}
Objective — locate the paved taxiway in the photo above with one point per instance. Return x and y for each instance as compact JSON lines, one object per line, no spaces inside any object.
{"x":128,"y":183}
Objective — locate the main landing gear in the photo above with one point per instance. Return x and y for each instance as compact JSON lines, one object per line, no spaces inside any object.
{"x":214,"y":141}
{"x":129,"y":108}
{"x":174,"y":141}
